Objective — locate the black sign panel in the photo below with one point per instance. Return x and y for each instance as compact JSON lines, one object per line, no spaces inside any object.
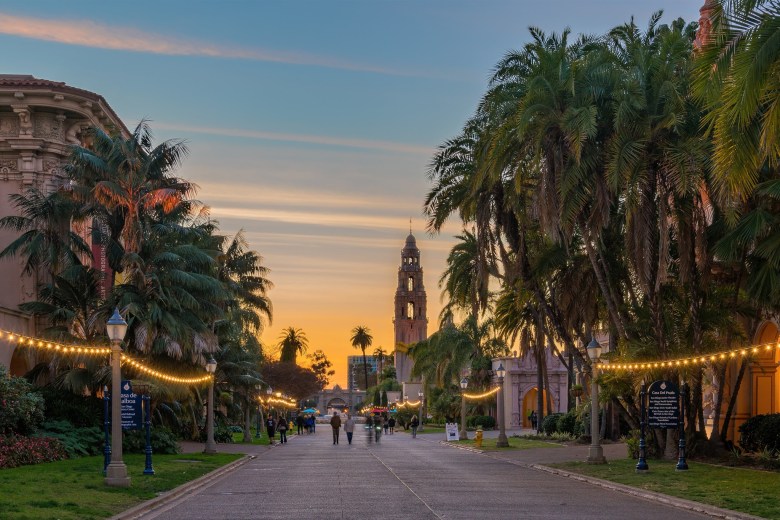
{"x":663,"y":405}
{"x":132,"y":417}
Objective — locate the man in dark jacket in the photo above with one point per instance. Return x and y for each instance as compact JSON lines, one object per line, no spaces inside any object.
{"x":270,"y":425}
{"x":335,"y":423}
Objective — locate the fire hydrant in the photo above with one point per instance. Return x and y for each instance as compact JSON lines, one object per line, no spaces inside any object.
{"x":478,"y":437}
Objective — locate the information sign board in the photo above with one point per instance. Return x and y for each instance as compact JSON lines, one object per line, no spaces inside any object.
{"x":452,"y":431}
{"x":132,"y":416}
{"x":663,"y":405}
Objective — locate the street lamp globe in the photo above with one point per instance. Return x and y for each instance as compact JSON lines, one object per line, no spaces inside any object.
{"x":211,"y":366}
{"x":464,"y":383}
{"x":269,"y":390}
{"x":594,"y":350}
{"x":501,"y":371}
{"x":116,"y":326}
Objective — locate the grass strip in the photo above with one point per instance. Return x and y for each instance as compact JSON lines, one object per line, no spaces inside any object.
{"x":74,"y":489}
{"x":739,"y":489}
{"x":515,"y":443}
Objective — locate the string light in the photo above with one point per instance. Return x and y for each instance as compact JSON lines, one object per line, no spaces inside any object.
{"x":169,"y":378}
{"x":278,"y":400}
{"x":22,"y":340}
{"x":404,"y":404}
{"x":480,"y":396}
{"x":695,"y":360}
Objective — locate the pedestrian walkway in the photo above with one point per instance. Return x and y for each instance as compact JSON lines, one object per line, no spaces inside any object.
{"x":399,"y":477}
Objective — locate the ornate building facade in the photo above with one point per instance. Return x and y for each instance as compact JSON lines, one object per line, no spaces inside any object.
{"x":411,"y":304}
{"x":39,"y":120}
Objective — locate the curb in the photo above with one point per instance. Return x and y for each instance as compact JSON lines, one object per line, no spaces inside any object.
{"x":679,"y":503}
{"x":177,"y":492}
{"x":459,"y":447}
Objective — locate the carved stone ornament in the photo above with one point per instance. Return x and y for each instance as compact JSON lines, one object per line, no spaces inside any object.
{"x":9,"y":166}
{"x":48,"y":127}
{"x":9,"y":126}
{"x":52,"y":166}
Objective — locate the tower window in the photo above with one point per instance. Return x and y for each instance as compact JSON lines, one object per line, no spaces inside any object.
{"x":410,"y":310}
{"x":410,"y":284}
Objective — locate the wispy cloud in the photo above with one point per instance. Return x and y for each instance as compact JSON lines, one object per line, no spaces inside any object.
{"x":347,"y":142}
{"x":88,"y":33}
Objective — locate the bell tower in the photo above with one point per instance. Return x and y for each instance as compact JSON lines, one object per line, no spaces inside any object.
{"x":410,"y":321}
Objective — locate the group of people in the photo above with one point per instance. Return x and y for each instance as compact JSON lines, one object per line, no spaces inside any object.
{"x":273,"y":425}
{"x":306,"y":423}
{"x":349,"y":427}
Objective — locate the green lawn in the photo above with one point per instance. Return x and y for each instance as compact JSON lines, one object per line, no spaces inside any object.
{"x":74,"y":489}
{"x":515,"y":443}
{"x":738,"y":489}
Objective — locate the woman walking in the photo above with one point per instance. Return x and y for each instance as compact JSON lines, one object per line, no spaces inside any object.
{"x":391,"y":424}
{"x":282,"y":427}
{"x":349,"y":427}
{"x":415,"y":423}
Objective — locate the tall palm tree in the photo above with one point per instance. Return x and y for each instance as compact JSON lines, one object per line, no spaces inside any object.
{"x":362,"y":339}
{"x":292,"y":341}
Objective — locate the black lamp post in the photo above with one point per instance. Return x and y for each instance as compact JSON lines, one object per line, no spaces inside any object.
{"x":464,"y":383}
{"x":641,"y":465}
{"x":116,"y":472}
{"x":595,"y":452}
{"x":502,"y":441}
{"x":421,"y":395}
{"x":211,"y":446}
{"x":259,"y":429}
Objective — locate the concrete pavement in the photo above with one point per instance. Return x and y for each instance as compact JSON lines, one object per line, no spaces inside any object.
{"x":398,"y":478}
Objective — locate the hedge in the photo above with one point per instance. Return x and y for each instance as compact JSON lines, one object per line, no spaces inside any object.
{"x":21,"y":451}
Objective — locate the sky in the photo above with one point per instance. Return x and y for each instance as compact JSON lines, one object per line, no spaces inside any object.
{"x":310,"y":124}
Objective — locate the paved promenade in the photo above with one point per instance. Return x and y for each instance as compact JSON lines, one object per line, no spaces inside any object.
{"x":402,"y":478}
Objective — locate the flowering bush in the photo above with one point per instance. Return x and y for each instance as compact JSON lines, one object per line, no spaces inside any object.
{"x":19,"y":451}
{"x":21,"y":408}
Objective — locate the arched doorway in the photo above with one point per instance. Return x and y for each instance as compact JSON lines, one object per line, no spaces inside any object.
{"x":337,"y":404}
{"x":530,"y":403}
{"x":19,"y":364}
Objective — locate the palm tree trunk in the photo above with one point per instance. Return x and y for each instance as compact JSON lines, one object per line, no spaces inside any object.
{"x":605,"y":292}
{"x":733,"y":400}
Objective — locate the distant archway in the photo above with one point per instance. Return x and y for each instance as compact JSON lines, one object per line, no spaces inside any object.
{"x":337,"y":404}
{"x":19,"y":365}
{"x":530,"y":404}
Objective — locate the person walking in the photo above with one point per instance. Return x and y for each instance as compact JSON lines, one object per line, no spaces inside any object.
{"x":380,"y":424}
{"x":385,"y":424}
{"x":349,"y":427}
{"x":281,"y":425}
{"x":335,"y":423}
{"x":415,"y":423}
{"x":299,"y":423}
{"x":391,"y":424}
{"x":270,"y":425}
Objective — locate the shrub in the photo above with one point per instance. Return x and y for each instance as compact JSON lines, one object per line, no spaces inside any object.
{"x":162,"y":439}
{"x":567,"y":423}
{"x":761,"y":432}
{"x":485,"y":421}
{"x":550,"y":423}
{"x":20,"y":451}
{"x":223,"y":434}
{"x":77,"y":442}
{"x":235,"y":429}
{"x":21,"y":408}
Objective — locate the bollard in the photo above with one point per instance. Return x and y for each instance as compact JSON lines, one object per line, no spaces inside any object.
{"x":478,"y":437}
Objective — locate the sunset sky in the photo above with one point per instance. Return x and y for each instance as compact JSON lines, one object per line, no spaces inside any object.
{"x":310,"y":124}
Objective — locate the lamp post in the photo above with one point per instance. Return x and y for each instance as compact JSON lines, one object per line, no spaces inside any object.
{"x":464,"y":383}
{"x":211,"y":446}
{"x":421,"y":395}
{"x":502,"y":441}
{"x":116,"y":472}
{"x":595,"y":452}
{"x":259,"y":429}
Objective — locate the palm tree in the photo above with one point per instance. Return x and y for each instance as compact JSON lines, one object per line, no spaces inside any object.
{"x":124,"y":182}
{"x":738,"y":76}
{"x":379,"y":354}
{"x":362,"y":339}
{"x":292,"y":341}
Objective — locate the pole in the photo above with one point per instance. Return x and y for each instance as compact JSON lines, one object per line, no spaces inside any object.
{"x":259,"y":421}
{"x":502,"y":441}
{"x":147,"y":401}
{"x":211,"y":446}
{"x":595,"y":452}
{"x":106,"y":426}
{"x":682,"y":465}
{"x":463,"y":435}
{"x":116,"y":472}
{"x":641,"y":465}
